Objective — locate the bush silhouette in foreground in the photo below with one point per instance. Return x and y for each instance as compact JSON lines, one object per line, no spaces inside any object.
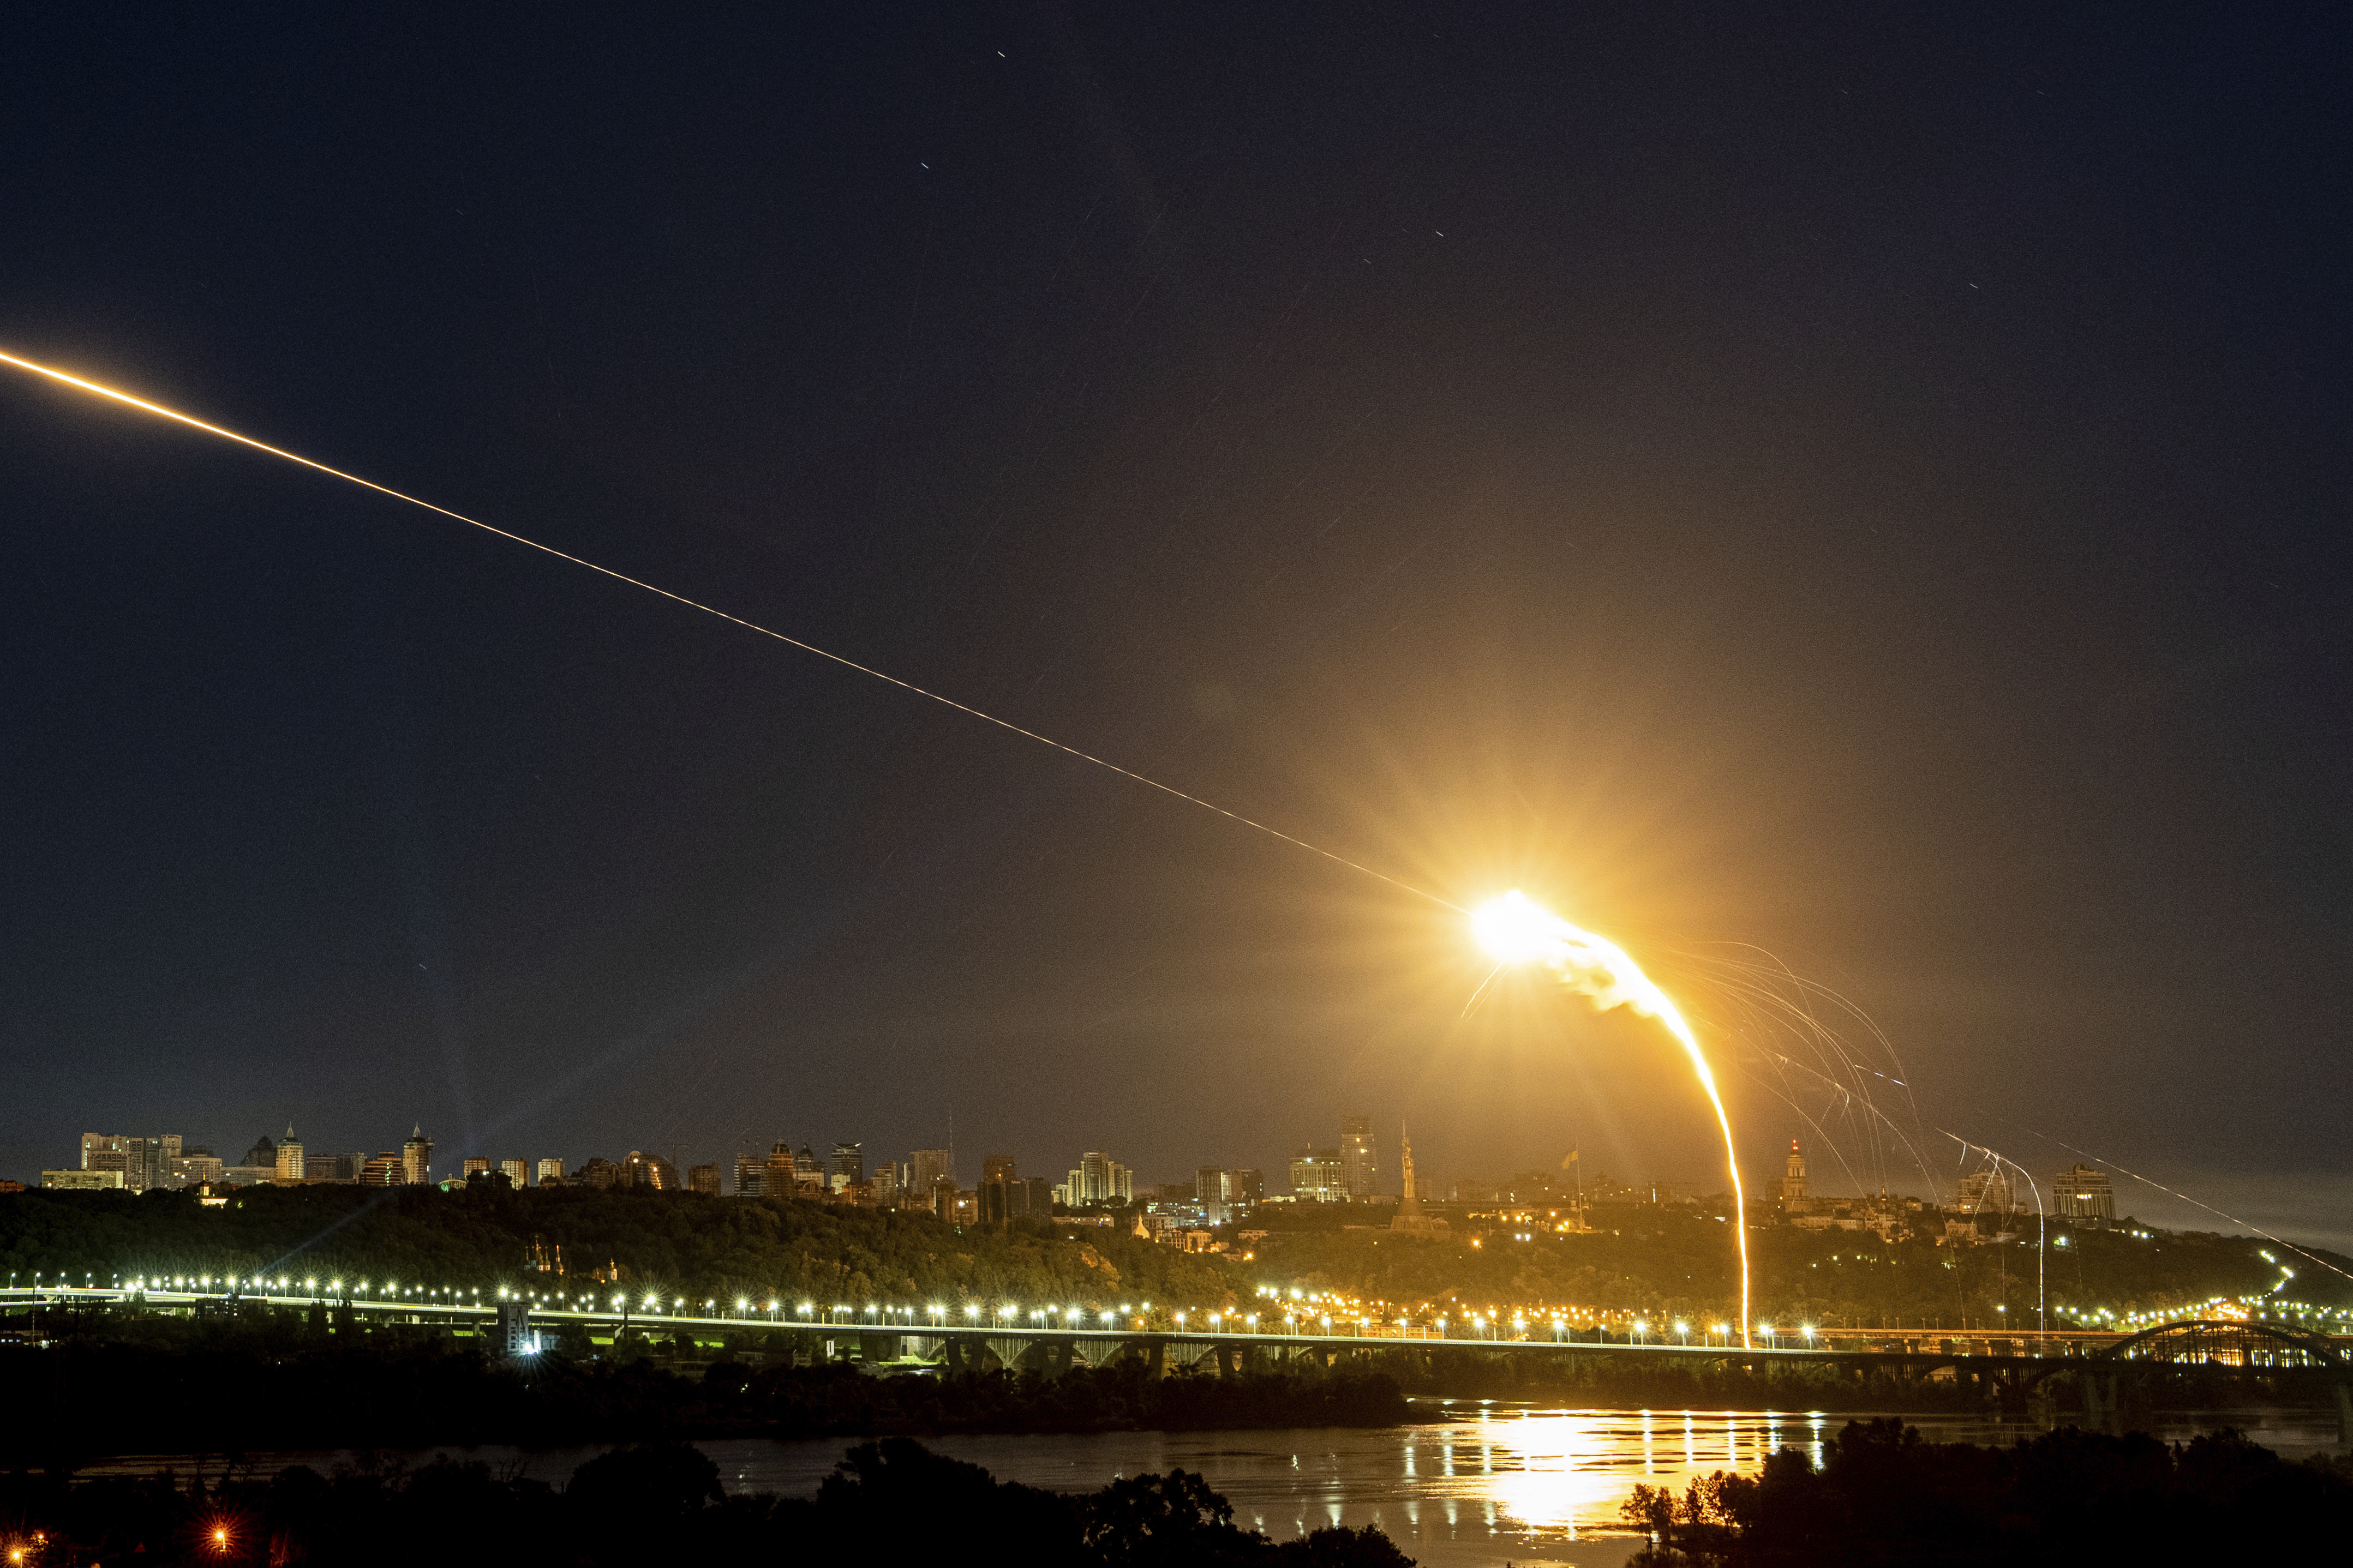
{"x":1881,"y":1495}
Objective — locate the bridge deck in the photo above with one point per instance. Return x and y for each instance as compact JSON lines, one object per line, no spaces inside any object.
{"x":1880,"y":1348}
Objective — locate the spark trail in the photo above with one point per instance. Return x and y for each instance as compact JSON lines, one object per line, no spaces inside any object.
{"x":1515,"y":927}
{"x":2185,"y":1197}
{"x":99,"y":389}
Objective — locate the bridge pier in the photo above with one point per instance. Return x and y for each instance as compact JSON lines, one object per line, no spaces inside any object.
{"x":2100,"y":1402}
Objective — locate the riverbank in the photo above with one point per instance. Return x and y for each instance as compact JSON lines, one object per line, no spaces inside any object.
{"x":277,"y":1389}
{"x":660,"y":1502}
{"x":284,"y":1382}
{"x":1492,"y":1483}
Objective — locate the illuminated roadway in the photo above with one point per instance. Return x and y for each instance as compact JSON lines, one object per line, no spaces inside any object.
{"x":1857,"y":1347}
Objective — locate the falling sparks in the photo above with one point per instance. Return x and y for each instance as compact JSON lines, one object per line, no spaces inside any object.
{"x":1515,"y":929}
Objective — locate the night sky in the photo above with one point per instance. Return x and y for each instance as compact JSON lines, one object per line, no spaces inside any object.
{"x":1868,"y":483}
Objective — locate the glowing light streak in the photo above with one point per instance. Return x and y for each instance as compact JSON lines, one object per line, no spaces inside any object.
{"x":99,"y":389}
{"x":1515,"y":929}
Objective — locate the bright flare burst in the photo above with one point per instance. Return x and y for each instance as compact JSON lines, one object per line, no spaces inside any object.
{"x":1515,"y":929}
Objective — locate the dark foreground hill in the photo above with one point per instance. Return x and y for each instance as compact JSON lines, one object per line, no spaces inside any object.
{"x":893,"y":1502}
{"x":1884,"y":1496}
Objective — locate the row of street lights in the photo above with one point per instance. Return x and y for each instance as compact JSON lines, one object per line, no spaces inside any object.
{"x":937,"y":1315}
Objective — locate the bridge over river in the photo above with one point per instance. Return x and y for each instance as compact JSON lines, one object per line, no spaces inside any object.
{"x":2014,"y":1367}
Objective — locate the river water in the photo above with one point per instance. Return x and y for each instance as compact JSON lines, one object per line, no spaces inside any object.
{"x":1478,"y":1484}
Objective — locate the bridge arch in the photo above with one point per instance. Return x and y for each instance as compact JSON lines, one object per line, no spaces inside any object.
{"x":2222,"y":1343}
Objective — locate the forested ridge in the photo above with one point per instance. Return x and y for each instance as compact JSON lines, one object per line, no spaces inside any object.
{"x":1680,"y":1262}
{"x":1667,"y":1262}
{"x":577,"y":1238}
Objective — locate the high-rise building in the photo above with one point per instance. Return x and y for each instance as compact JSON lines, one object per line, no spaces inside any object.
{"x":474,"y":1165}
{"x":2085,"y":1196}
{"x":327,"y":1168}
{"x":929,"y":1166}
{"x":1793,"y":1184}
{"x":888,"y":1183}
{"x":290,"y":1157}
{"x":195,"y":1170}
{"x":516,"y":1172}
{"x":808,"y":1174}
{"x":263,"y":1153}
{"x":702,"y":1179}
{"x":145,"y":1161}
{"x":1317,"y":1177}
{"x":598,"y":1172}
{"x":1985,"y":1192}
{"x":551,"y":1171}
{"x":417,"y":1159}
{"x":751,"y":1176}
{"x":642,"y":1170}
{"x":849,"y":1164}
{"x":383,"y":1170}
{"x":1210,"y":1185}
{"x":1357,"y":1168}
{"x":113,"y":1151}
{"x":1015,"y":1198}
{"x":777,"y":1175}
{"x":1099,"y":1179}
{"x":1245,"y":1186}
{"x":996,"y":1168}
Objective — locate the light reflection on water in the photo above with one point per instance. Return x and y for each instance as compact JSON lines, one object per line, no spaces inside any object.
{"x":1497,"y":1482}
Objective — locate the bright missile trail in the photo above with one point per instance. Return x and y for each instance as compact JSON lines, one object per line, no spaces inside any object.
{"x":1515,"y":928}
{"x":98,"y":389}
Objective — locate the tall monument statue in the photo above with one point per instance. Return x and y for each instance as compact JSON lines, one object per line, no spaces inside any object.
{"x":1410,"y":1220}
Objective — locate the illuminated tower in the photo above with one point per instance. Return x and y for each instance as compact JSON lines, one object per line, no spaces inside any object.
{"x":417,"y":1159}
{"x":1793,"y":1185}
{"x":289,"y":1156}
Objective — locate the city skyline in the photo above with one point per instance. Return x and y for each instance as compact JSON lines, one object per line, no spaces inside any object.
{"x":930,"y":1180}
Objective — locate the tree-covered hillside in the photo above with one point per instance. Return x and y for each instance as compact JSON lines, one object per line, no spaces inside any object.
{"x":564,"y":1238}
{"x":1680,"y":1262}
{"x":1666,"y":1263}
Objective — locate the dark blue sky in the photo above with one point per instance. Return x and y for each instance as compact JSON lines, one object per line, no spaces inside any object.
{"x":1870,"y":486}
